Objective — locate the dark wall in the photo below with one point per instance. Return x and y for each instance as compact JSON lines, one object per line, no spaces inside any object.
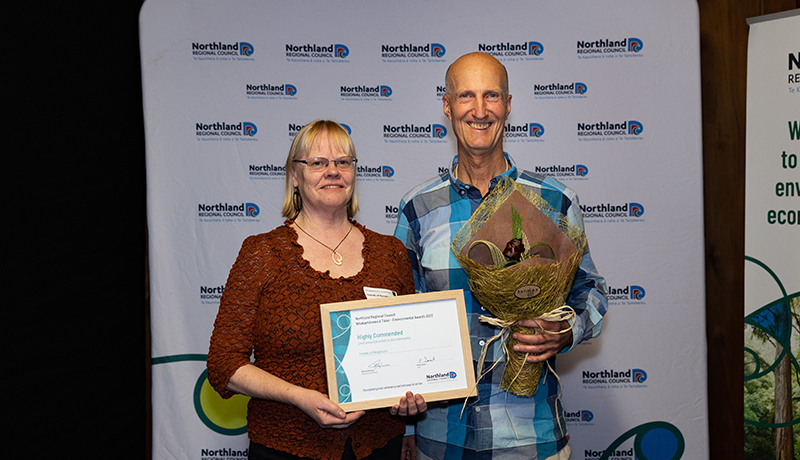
{"x":75,"y":202}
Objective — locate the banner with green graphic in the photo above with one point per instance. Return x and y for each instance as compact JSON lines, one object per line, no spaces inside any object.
{"x":772,"y":240}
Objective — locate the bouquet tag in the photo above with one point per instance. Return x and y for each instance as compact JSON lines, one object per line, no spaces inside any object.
{"x":375,"y":293}
{"x":527,"y":292}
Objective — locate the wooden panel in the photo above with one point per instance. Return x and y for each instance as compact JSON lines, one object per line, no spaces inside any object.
{"x":723,"y":51}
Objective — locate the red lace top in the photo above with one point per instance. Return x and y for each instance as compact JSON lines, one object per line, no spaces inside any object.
{"x":270,"y":308}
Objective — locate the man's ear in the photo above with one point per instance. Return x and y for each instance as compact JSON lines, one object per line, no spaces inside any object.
{"x":446,"y":107}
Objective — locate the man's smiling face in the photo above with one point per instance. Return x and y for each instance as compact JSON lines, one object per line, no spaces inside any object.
{"x":477,"y":103}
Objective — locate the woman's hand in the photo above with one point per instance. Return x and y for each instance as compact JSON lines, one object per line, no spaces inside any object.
{"x":410,"y":404}
{"x":251,"y":381}
{"x":324,"y":411}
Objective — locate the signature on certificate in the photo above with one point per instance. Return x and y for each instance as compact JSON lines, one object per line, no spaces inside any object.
{"x":377,"y":364}
{"x":426,"y":359}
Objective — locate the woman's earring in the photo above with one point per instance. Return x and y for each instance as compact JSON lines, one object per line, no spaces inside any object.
{"x":297,"y":200}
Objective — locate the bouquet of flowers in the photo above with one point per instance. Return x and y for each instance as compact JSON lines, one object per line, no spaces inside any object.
{"x":529,"y":279}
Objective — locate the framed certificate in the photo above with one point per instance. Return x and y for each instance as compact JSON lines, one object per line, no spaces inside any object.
{"x":378,"y":349}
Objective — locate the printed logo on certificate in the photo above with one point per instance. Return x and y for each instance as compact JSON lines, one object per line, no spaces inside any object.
{"x":378,"y":349}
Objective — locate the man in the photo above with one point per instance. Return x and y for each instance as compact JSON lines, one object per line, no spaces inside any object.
{"x":477,"y":103}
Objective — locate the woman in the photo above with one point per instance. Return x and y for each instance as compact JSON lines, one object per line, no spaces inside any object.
{"x":270,"y":309}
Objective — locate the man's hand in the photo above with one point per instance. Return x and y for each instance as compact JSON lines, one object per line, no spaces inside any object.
{"x":542,"y":346}
{"x":410,"y":404}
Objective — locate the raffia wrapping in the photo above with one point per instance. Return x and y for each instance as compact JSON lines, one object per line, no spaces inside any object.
{"x":496,"y":288}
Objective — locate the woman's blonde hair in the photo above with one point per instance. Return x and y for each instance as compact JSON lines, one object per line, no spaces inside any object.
{"x":339,"y":140}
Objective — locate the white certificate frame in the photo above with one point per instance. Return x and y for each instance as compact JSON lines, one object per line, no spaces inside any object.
{"x":448,"y":329}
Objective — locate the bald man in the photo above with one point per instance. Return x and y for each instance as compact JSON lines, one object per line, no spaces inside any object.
{"x":477,"y":103}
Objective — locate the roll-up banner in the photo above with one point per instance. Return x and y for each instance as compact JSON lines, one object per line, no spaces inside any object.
{"x":772,"y":238}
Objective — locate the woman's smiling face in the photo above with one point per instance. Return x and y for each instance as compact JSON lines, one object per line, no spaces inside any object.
{"x":330,"y":189}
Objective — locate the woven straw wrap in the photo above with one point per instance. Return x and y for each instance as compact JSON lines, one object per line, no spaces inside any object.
{"x":498,"y":288}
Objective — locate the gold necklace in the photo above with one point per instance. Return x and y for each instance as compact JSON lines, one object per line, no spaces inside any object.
{"x":335,"y":256}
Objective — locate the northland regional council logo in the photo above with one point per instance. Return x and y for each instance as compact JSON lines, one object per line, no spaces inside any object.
{"x":528,"y":132}
{"x":609,"y":48}
{"x":579,"y":417}
{"x":441,"y":376}
{"x":211,"y":294}
{"x":571,"y":90}
{"x":270,"y":91}
{"x":223,"y":131}
{"x":375,"y":173}
{"x":520,"y":51}
{"x":365,"y":93}
{"x":609,"y":378}
{"x":564,"y":172}
{"x":220,"y":51}
{"x":329,"y":53}
{"x":227,"y":212}
{"x":629,"y":130}
{"x":628,"y":295}
{"x":266,"y":171}
{"x":613,"y":213}
{"x":413,"y":53}
{"x":391,"y":213}
{"x":414,"y":134}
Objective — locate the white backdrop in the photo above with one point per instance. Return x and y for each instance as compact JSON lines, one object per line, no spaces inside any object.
{"x":606,"y":96}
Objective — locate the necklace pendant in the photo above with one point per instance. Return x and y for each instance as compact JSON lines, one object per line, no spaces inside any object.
{"x":337,"y":258}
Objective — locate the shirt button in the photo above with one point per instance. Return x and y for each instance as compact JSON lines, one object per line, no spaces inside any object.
{"x":477,"y":409}
{"x":462,"y":192}
{"x":482,"y":342}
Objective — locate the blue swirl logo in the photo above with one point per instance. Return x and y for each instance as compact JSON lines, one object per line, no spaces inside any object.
{"x":249,"y":129}
{"x":634,"y":45}
{"x":341,"y":51}
{"x":251,"y":209}
{"x":636,"y":210}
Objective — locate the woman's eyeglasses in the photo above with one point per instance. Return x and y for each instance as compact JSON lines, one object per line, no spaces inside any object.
{"x":321,"y":163}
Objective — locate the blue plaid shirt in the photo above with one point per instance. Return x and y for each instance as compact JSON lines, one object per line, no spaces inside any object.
{"x":430,"y":215}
